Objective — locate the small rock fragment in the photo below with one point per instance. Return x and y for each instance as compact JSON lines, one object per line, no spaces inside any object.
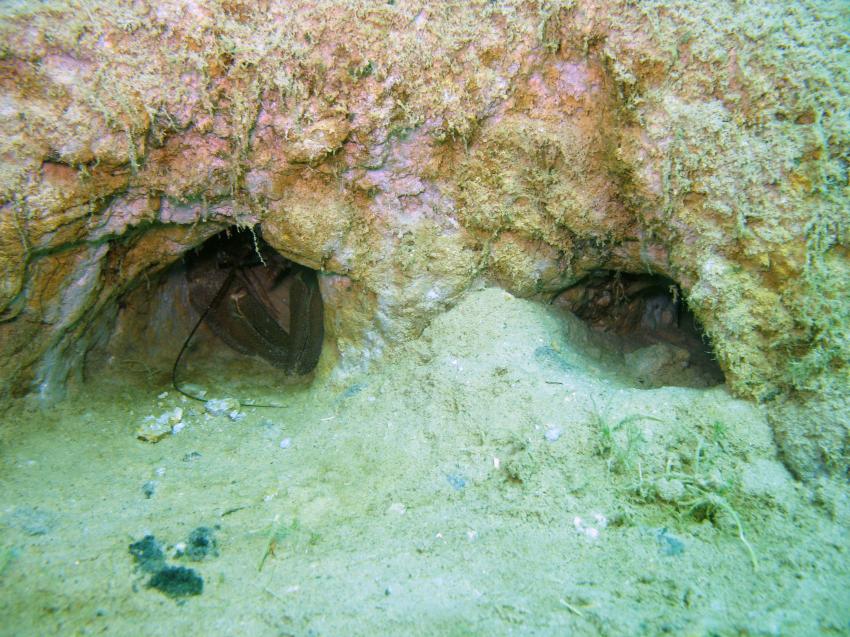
{"x":221,"y":406}
{"x":155,"y":429}
{"x":669,"y":544}
{"x":396,"y":508}
{"x":457,"y":481}
{"x":590,"y":532}
{"x":671,"y":490}
{"x":153,"y":432}
{"x":149,"y":488}
{"x":553,"y":433}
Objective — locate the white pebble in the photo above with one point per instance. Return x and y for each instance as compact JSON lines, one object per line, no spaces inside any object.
{"x":397,"y":508}
{"x":285,"y":443}
{"x":553,"y":433}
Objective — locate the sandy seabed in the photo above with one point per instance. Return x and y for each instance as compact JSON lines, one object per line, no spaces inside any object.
{"x":500,"y":475}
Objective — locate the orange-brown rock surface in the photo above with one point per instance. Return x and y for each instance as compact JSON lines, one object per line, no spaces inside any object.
{"x":407,"y":148}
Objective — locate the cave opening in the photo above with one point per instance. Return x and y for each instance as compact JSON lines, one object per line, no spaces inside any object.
{"x":646,"y":319}
{"x":230,"y":309}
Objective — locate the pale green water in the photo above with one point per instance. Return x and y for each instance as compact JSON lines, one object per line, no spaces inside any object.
{"x":488,"y":479}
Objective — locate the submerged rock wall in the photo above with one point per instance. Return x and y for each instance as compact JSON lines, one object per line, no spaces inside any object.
{"x":407,"y":148}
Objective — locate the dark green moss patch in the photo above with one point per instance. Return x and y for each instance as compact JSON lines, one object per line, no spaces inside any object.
{"x":148,"y":554}
{"x":177,"y":581}
{"x":201,"y":543}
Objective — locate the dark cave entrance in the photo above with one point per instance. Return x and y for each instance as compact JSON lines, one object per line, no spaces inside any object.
{"x":647,"y":319}
{"x":233,"y":308}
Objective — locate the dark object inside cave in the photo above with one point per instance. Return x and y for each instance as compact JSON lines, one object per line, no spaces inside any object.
{"x":256,"y":301}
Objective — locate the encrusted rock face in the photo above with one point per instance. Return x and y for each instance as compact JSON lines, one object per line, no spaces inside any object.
{"x":407,"y":148}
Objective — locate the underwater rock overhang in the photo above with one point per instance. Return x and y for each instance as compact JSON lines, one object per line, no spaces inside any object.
{"x":551,"y":146}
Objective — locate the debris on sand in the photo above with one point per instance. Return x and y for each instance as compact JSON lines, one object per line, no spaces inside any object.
{"x":221,"y":406}
{"x":155,"y":428}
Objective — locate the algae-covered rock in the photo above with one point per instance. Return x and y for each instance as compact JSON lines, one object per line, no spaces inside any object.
{"x":406,"y":150}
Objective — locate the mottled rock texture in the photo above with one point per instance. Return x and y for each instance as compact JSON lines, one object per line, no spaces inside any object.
{"x":408,"y":148}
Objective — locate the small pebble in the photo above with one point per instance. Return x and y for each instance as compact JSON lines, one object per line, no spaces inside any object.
{"x":670,"y":490}
{"x":397,"y":508}
{"x":590,"y":532}
{"x":669,"y":544}
{"x":149,"y":488}
{"x":354,"y":389}
{"x":285,"y":443}
{"x":553,"y":434}
{"x":155,"y":429}
{"x":457,"y":481}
